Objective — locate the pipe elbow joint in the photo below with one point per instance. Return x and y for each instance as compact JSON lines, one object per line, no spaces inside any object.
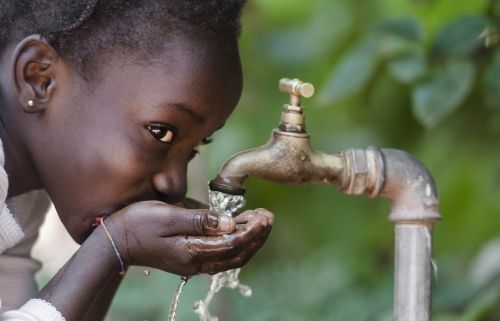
{"x":396,"y":175}
{"x":411,"y":187}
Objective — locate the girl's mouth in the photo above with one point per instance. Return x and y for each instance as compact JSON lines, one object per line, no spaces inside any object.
{"x":109,"y":211}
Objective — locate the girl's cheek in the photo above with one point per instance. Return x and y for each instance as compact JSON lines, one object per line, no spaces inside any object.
{"x":129,"y":166}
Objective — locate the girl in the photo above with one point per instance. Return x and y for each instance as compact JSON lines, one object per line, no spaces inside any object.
{"x":102,"y":105}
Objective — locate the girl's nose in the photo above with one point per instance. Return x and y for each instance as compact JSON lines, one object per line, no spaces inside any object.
{"x":171,"y":183}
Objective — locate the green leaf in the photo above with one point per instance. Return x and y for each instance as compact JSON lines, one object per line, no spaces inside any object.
{"x":435,"y":14}
{"x":397,"y":37}
{"x":404,"y":28}
{"x":352,"y":73}
{"x":461,"y":37}
{"x":408,"y":68}
{"x":391,"y":47}
{"x":491,"y":82}
{"x":443,"y":93}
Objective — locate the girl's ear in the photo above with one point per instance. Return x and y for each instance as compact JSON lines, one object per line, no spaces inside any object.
{"x":34,"y":71}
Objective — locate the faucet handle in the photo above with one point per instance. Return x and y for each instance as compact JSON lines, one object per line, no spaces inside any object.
{"x":292,"y":116}
{"x":296,"y":88}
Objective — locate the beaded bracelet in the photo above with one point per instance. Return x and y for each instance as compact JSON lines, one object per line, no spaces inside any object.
{"x":100,"y":221}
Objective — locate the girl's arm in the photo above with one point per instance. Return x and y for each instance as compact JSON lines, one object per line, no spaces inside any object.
{"x":184,"y":242}
{"x":72,"y":290}
{"x":100,"y":306}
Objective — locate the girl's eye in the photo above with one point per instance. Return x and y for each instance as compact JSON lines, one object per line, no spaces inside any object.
{"x":195,"y":151}
{"x":193,"y":154}
{"x":206,"y":141}
{"x":161,"y":133}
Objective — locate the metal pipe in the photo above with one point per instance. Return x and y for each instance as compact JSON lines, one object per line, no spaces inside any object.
{"x":414,"y":197}
{"x":288,"y":158}
{"x":413,"y":272}
{"x":414,"y":211}
{"x":389,"y":173}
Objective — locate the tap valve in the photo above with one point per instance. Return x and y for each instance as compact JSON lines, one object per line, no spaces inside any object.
{"x":296,"y":88}
{"x":292,"y":116}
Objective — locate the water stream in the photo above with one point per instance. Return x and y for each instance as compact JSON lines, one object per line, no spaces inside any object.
{"x":173,"y":306}
{"x":228,"y":205}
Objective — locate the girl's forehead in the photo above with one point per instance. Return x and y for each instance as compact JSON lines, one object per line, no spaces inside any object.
{"x":189,"y":76}
{"x":208,"y":83}
{"x":180,"y":57}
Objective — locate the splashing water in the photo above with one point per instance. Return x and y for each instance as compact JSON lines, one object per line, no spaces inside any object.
{"x":225,"y":203}
{"x":228,"y":205}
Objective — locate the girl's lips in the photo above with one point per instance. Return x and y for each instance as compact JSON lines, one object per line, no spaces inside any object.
{"x":115,"y":208}
{"x":108,"y":212}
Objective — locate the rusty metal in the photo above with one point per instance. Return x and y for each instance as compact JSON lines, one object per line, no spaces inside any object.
{"x":288,"y":158}
{"x":411,"y":188}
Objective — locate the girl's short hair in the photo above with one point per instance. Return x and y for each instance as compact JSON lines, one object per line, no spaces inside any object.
{"x":82,"y":30}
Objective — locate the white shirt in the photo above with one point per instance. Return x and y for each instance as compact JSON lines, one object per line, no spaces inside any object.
{"x":17,"y":268}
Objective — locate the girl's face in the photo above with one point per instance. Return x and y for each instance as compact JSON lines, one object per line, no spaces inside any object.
{"x":130,"y":137}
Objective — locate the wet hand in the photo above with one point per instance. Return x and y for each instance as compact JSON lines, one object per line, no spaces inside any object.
{"x":187,"y":242}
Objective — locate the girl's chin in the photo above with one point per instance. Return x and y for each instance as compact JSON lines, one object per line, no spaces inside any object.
{"x":81,"y":232}
{"x":80,"y":237}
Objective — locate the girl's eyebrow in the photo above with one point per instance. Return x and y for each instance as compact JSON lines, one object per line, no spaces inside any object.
{"x":183,"y":108}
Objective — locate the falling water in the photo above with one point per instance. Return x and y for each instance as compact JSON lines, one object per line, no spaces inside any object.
{"x":228,"y":205}
{"x":173,"y":307}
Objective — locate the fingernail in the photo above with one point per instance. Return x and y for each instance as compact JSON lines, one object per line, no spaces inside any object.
{"x":226,"y":224}
{"x":212,"y":221}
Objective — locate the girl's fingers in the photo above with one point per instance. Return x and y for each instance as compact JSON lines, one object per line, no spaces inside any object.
{"x":245,"y":217}
{"x":248,"y":215}
{"x":201,"y":222}
{"x":269,"y":215}
{"x":228,"y":246}
{"x":234,"y":262}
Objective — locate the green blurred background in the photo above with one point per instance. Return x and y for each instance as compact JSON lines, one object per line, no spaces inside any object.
{"x":422,"y":76}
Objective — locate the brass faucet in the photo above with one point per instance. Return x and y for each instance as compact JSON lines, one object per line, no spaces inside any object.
{"x":288,"y":158}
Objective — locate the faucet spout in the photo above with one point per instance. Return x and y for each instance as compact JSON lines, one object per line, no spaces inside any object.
{"x":287,"y":158}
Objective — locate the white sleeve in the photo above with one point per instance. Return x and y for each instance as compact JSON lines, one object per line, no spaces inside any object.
{"x":10,"y":231}
{"x":33,"y":310}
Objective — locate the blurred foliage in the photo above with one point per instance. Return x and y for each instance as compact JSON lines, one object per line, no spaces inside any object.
{"x":421,"y":75}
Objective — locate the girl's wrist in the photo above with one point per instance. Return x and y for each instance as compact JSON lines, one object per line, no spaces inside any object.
{"x":75,"y":287}
{"x":105,"y":255}
{"x":117,"y":252}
